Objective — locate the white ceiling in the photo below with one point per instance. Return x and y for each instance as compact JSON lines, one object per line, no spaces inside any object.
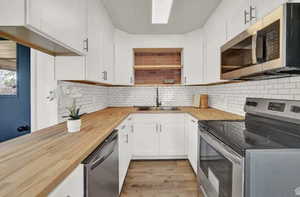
{"x":134,"y":16}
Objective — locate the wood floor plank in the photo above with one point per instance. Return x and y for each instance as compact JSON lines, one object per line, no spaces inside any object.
{"x":161,"y":179}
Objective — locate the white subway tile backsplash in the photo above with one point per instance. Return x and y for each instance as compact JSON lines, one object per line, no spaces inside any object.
{"x":92,"y":98}
{"x":231,"y":97}
{"x":139,"y":96}
{"x":227,"y":97}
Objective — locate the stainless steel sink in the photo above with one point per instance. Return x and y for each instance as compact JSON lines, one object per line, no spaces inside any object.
{"x":168,"y":108}
{"x":163,"y":108}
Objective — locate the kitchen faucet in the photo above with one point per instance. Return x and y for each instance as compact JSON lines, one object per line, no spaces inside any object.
{"x":158,"y":104}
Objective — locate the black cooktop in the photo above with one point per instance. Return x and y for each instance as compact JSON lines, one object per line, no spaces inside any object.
{"x":256,"y":132}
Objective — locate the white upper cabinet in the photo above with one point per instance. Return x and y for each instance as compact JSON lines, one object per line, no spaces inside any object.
{"x":53,"y":26}
{"x":108,"y":49}
{"x":247,"y":12}
{"x":214,"y":37}
{"x":193,"y":58}
{"x":63,"y":20}
{"x":263,"y":7}
{"x":123,"y":59}
{"x":240,"y":18}
{"x":95,"y":57}
{"x":98,"y":64}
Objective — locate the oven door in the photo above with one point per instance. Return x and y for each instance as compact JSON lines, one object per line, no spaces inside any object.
{"x":220,"y":169}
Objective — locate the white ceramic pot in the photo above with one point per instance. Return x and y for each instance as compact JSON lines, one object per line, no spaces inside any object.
{"x":74,"y":125}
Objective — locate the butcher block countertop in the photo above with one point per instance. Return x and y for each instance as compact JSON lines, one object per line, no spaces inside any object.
{"x":34,"y":164}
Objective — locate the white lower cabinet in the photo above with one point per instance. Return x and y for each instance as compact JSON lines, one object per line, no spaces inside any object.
{"x":145,"y":139}
{"x":193,"y":142}
{"x":125,"y":149}
{"x":172,"y":135}
{"x":72,"y":186}
{"x":159,"y":136}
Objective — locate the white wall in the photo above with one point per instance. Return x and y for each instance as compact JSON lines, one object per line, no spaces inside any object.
{"x":151,"y":41}
{"x":43,"y":111}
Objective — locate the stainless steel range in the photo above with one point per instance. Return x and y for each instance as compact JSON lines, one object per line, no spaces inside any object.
{"x":258,"y":157}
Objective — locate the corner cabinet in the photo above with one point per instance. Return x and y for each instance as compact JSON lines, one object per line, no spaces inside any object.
{"x":98,"y":65}
{"x":52,"y":26}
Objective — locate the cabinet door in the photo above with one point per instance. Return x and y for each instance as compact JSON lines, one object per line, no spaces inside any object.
{"x":215,"y":37}
{"x":264,"y":7}
{"x":172,"y":135}
{"x":62,"y":20}
{"x":95,"y":68}
{"x":172,"y":139}
{"x":123,"y":60}
{"x":145,"y":139}
{"x":193,"y":143}
{"x":123,"y":154}
{"x":108,"y":41}
{"x":72,"y":186}
{"x":240,"y":19}
{"x":193,"y":58}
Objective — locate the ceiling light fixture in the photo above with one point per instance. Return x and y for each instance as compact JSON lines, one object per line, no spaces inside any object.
{"x":161,"y":10}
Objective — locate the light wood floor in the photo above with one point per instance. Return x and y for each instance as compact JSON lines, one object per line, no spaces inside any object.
{"x":160,"y":179}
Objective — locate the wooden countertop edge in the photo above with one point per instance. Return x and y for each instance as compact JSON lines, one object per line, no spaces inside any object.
{"x":73,"y":166}
{"x":74,"y":162}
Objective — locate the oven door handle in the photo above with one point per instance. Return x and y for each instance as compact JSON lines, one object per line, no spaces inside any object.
{"x":222,"y":148}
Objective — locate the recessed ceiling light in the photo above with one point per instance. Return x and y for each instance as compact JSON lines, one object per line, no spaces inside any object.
{"x":161,"y":10}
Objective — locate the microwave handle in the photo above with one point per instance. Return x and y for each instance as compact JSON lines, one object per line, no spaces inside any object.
{"x":254,"y":47}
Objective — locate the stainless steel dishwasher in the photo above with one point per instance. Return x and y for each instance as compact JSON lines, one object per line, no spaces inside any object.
{"x":101,"y":169}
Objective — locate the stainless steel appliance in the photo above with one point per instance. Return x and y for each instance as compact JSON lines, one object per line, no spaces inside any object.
{"x":267,"y":49}
{"x":258,"y":157}
{"x":101,"y":169}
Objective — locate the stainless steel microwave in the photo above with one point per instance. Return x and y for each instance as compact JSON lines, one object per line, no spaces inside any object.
{"x":270,"y":48}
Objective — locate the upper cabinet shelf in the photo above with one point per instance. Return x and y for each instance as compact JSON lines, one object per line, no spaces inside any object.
{"x":53,"y":27}
{"x":157,"y":66}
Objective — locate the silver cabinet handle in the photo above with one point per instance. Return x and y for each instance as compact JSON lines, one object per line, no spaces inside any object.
{"x":246,"y":14}
{"x":132,"y":128}
{"x":160,"y":128}
{"x":131,"y":79}
{"x":103,"y":76}
{"x":86,"y":44}
{"x":127,"y":139}
{"x":184,"y":80}
{"x":156,"y":127}
{"x":252,"y":13}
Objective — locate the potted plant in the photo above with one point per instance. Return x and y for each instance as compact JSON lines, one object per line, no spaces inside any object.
{"x":74,"y":121}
